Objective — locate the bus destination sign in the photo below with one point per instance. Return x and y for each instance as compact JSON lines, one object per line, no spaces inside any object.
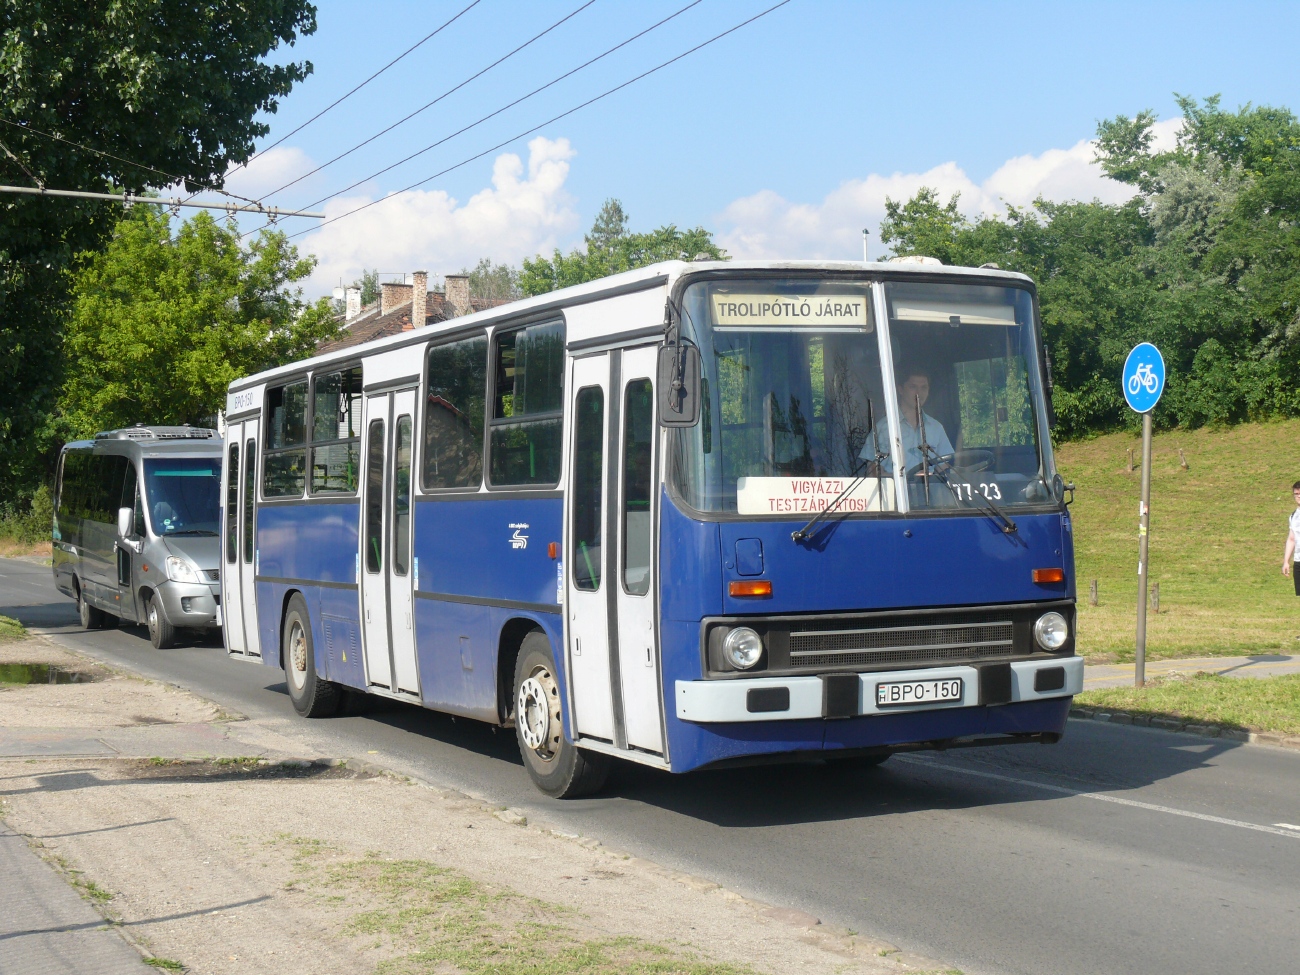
{"x":799,"y":311}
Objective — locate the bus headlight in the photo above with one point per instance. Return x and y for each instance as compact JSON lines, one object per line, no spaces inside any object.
{"x":742,"y":647}
{"x":178,"y":570}
{"x":1051,"y":631}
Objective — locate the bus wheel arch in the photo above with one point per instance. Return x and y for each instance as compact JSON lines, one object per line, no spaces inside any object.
{"x":512,"y":637}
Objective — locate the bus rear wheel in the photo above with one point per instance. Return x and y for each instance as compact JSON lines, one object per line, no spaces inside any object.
{"x":311,"y":696}
{"x":557,"y":766}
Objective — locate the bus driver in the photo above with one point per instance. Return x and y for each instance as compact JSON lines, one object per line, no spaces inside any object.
{"x":913,"y":391}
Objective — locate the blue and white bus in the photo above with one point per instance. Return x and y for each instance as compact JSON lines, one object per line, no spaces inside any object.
{"x":692,"y":515}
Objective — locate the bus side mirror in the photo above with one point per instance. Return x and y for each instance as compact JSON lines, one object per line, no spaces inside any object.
{"x":679,"y":385}
{"x":125,"y":522}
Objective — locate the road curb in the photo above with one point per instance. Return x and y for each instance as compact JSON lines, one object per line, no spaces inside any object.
{"x":1178,"y":726}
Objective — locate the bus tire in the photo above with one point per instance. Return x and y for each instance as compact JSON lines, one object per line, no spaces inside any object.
{"x":91,"y":618}
{"x":311,"y":696}
{"x":557,"y":766}
{"x":161,"y":632}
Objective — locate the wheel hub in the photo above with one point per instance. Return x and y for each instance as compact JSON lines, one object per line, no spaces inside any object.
{"x":298,"y":653}
{"x":538,"y":713}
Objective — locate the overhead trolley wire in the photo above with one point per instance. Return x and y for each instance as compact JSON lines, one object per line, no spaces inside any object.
{"x":566,"y":114}
{"x":109,"y":155}
{"x":429,"y":105}
{"x":343,"y":98}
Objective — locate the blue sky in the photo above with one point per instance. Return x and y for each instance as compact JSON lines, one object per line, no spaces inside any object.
{"x":783,"y":137}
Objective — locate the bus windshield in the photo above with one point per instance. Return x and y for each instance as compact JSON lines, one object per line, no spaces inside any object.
{"x":182,"y":496}
{"x":795,"y":407}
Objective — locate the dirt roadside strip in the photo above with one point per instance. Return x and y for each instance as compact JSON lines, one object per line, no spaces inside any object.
{"x":214,"y":844}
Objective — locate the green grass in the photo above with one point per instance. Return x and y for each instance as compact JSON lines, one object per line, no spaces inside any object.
{"x":1217,"y":532}
{"x":166,"y":964}
{"x":11,"y":629}
{"x":1269,"y":704}
{"x":431,"y":919}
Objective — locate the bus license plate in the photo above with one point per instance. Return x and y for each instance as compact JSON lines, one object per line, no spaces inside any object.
{"x":898,"y":693}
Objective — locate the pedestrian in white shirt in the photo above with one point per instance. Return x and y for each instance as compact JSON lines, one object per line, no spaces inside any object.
{"x":1291,"y":554}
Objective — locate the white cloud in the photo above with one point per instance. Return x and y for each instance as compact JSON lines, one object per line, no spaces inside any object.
{"x":765,"y":225}
{"x":268,"y":172}
{"x":520,"y":214}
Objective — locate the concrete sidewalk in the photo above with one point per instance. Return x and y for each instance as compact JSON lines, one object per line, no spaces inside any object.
{"x":47,"y":929}
{"x":1257,"y":665}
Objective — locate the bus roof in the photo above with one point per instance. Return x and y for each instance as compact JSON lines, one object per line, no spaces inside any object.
{"x":640,"y":279}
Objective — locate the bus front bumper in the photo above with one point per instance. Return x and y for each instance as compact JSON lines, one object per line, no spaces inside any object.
{"x":740,"y":700}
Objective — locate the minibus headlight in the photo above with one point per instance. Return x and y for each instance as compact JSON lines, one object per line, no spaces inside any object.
{"x":1051,"y":631}
{"x":742,"y":647}
{"x":178,"y":570}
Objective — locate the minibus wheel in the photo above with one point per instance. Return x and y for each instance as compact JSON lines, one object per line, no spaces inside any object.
{"x":161,"y":632}
{"x":557,"y":766}
{"x":91,"y":618}
{"x":311,"y":696}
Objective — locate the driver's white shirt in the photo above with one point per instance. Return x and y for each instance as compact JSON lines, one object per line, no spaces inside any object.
{"x":935,"y":436}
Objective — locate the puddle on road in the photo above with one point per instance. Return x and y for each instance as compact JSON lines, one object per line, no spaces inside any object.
{"x":43,"y":674}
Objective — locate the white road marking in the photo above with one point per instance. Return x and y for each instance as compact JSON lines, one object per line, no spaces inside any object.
{"x":1103,"y":797}
{"x":1287,"y":826}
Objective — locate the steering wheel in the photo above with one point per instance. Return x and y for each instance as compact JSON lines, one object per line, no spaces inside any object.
{"x":972,"y":462}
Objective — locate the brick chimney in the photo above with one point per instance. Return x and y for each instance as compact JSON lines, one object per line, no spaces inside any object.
{"x":392,"y":295}
{"x":352,"y":297}
{"x":458,"y":293}
{"x":419,"y":298}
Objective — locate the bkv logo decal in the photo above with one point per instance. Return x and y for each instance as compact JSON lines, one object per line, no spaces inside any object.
{"x":518,"y":539}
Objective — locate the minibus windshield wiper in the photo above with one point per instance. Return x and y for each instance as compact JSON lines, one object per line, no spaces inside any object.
{"x":191,"y":531}
{"x":941,"y":469}
{"x":821,"y":516}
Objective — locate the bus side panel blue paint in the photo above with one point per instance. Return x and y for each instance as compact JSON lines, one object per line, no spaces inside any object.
{"x":490,"y":547}
{"x":316,"y":542}
{"x":871,"y":564}
{"x":483,"y":548}
{"x":340,"y":610}
{"x":690,"y":576}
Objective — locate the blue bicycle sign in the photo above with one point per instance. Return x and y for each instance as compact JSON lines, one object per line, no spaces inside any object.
{"x":1144,"y":377}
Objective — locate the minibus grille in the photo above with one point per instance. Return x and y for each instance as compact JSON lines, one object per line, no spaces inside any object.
{"x":918,"y":640}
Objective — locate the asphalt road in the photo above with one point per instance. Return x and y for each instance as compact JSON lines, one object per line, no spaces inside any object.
{"x":1119,"y":850}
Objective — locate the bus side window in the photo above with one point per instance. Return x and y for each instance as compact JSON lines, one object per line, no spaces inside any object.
{"x":588,"y":462}
{"x":284,"y":469}
{"x":402,"y":497}
{"x":528,"y":405}
{"x":638,"y":430}
{"x":455,"y":395}
{"x":232,"y":505}
{"x":336,"y":432}
{"x":250,"y":496}
{"x":375,"y":497}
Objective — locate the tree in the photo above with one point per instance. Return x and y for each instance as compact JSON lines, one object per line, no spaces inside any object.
{"x":612,"y":248}
{"x":495,"y":282}
{"x":368,"y":285}
{"x":169,"y":90}
{"x":158,"y":328}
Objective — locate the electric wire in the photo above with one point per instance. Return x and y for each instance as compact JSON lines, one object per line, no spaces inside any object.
{"x":428,"y":105}
{"x":109,"y":155}
{"x":343,"y":98}
{"x":503,"y":108}
{"x":565,"y":114}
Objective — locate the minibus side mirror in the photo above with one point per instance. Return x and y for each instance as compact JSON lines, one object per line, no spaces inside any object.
{"x":125,"y":522}
{"x":679,"y":385}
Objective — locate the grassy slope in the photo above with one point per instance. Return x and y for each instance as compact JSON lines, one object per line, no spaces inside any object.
{"x":1217,"y":532}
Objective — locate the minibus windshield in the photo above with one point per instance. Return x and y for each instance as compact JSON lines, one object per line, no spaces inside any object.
{"x":182,"y":496}
{"x":795,"y":409}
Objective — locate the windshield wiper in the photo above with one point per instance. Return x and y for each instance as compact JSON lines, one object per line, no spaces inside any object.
{"x":818,"y":518}
{"x":999,"y":518}
{"x":192,"y":531}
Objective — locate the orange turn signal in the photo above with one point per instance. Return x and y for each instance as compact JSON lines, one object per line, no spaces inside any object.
{"x":757,"y":587}
{"x":1049,"y":575}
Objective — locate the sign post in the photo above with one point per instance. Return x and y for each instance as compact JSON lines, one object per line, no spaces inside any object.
{"x":1143,"y":383}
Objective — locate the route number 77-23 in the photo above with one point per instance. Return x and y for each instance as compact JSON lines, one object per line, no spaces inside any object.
{"x":1144,"y":376}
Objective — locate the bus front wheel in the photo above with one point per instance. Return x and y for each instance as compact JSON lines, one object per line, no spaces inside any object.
{"x":92,"y":618}
{"x":557,"y":766}
{"x":311,"y":696}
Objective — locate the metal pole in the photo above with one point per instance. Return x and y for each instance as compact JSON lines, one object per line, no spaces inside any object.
{"x":1144,"y":524}
{"x":160,"y":201}
{"x":864,"y":245}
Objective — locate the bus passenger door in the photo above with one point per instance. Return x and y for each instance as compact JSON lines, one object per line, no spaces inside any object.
{"x":240,"y":584}
{"x":587,"y":600}
{"x":401,"y":623}
{"x":374,"y":552}
{"x":632,"y":497}
{"x":231,"y":609}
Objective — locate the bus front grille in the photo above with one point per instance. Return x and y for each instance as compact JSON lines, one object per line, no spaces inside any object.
{"x":904,"y":640}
